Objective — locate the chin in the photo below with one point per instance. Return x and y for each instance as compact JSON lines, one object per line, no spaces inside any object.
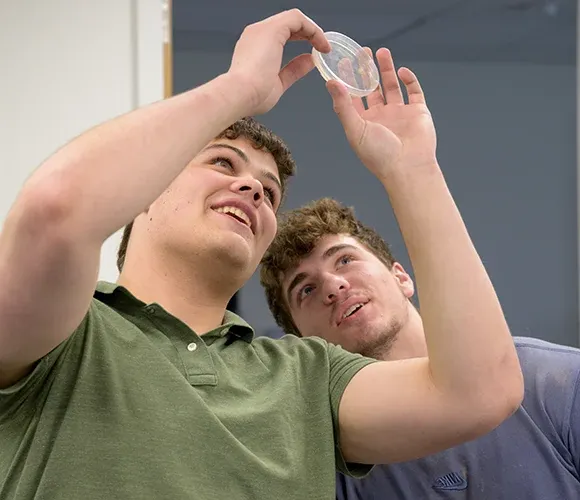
{"x":218,"y":252}
{"x":237,"y":256}
{"x":378,"y":343}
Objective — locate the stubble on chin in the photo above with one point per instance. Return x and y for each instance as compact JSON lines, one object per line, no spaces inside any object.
{"x":380,"y":344}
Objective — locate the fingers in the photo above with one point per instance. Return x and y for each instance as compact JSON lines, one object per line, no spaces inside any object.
{"x":295,"y":69}
{"x":358,"y":104}
{"x":414,"y":90}
{"x":376,"y":97}
{"x":294,"y":25}
{"x":345,"y":109}
{"x":391,"y":87}
{"x":346,"y":74}
{"x":259,"y":52}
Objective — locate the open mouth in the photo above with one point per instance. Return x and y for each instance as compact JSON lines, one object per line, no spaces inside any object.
{"x":235,"y":213}
{"x":352,"y":311}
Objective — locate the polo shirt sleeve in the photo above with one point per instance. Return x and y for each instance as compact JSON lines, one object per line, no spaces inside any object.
{"x":31,"y":387}
{"x":343,"y":367}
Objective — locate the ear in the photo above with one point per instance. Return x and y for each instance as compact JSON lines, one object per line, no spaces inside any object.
{"x":403,"y":280}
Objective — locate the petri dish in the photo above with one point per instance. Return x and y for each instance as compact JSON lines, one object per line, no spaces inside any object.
{"x":348,"y":63}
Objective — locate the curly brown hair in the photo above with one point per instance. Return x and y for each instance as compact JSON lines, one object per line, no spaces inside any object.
{"x":299,"y":231}
{"x":261,"y":138}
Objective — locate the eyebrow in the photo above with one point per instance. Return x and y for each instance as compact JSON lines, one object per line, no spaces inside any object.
{"x":300,"y":277}
{"x":329,"y":252}
{"x":244,"y":157}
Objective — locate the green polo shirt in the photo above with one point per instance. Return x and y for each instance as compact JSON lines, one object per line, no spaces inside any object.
{"x":135,"y":405}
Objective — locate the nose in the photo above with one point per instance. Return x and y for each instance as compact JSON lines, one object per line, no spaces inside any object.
{"x":250,"y":188}
{"x":334,"y":288}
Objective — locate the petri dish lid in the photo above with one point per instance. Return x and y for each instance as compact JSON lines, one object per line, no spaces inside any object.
{"x":348,"y":63}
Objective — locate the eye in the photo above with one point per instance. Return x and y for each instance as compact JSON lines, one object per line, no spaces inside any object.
{"x":345,"y":259}
{"x":222,"y":161}
{"x":270,"y":194}
{"x":305,"y":292}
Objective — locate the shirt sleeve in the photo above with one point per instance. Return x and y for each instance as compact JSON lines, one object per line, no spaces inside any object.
{"x":30,"y":387}
{"x":574,"y":424}
{"x":343,"y":367}
{"x":552,"y":387}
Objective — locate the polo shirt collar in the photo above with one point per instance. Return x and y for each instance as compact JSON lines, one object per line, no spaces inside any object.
{"x":112,"y":294}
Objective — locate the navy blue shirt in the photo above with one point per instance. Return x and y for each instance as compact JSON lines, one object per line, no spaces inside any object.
{"x":534,"y":455}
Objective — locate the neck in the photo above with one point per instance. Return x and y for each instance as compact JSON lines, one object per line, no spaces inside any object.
{"x":409,"y":343}
{"x":196,"y":294}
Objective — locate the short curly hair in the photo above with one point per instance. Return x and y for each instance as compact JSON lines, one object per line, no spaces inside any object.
{"x":261,"y":138}
{"x":299,"y":231}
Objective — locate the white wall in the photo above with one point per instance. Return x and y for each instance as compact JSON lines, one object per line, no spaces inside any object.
{"x":507,"y":145}
{"x":66,"y":66}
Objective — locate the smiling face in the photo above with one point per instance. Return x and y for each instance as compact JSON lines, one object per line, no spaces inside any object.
{"x":345,"y":294}
{"x":223,"y":205}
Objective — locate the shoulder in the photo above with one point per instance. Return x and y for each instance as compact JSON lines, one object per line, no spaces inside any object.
{"x":290,"y":342}
{"x":302,"y":346}
{"x":541,"y":356}
{"x":292,"y":347}
{"x":309,"y":354}
{"x":551,"y":374}
{"x":65,"y":357}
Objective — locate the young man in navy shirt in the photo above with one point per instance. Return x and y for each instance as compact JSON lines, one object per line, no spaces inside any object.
{"x":346,"y":266}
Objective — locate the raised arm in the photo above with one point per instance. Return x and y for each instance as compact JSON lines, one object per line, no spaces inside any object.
{"x":471,"y":380}
{"x":92,"y":187}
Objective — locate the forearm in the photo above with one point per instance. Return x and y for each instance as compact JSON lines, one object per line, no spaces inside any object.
{"x":470,"y":347}
{"x":110,"y":174}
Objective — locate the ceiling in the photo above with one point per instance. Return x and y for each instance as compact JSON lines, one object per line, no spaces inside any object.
{"x":514,"y":31}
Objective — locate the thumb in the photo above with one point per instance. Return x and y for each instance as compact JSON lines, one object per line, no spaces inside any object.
{"x":344,"y":108}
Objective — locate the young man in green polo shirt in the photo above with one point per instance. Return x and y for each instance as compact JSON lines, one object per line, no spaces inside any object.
{"x":149,"y":388}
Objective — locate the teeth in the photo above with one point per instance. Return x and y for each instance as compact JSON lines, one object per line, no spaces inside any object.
{"x":235,"y":211}
{"x":352,"y":309}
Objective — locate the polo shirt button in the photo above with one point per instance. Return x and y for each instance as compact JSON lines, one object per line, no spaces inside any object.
{"x":150,"y":309}
{"x":192,"y":347}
